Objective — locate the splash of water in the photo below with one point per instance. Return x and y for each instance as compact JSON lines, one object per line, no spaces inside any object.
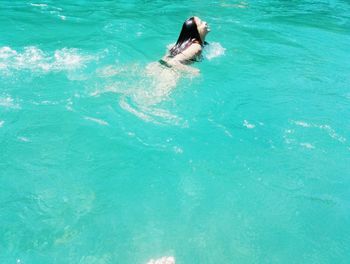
{"x":213,"y":50}
{"x":35,"y":59}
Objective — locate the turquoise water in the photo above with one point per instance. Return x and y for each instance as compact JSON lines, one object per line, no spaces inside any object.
{"x":107,"y":158}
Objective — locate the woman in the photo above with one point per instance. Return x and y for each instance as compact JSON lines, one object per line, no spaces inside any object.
{"x":189,"y":45}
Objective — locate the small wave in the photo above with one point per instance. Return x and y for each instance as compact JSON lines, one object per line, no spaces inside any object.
{"x":34,"y":59}
{"x":163,"y":260}
{"x":140,"y":114}
{"x":38,"y":5}
{"x":325,"y":199}
{"x":331,"y":132}
{"x":241,"y":4}
{"x":57,"y":14}
{"x":101,"y":259}
{"x":328,"y":129}
{"x":213,"y":50}
{"x":23,"y":139}
{"x":109,"y":71}
{"x":149,"y":113}
{"x":222,"y":127}
{"x":55,"y":11}
{"x":96,"y":120}
{"x":248,"y":125}
{"x":307,"y":145}
{"x":302,"y":123}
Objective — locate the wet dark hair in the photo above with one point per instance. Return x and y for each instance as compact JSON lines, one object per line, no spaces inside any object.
{"x":188,"y":35}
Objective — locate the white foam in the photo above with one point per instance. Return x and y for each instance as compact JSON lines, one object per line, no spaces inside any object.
{"x":68,"y":58}
{"x":213,"y":50}
{"x":35,"y":59}
{"x":1,"y":123}
{"x":6,"y":52}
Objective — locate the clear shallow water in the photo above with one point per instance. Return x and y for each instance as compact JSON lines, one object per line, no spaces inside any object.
{"x":101,"y":162}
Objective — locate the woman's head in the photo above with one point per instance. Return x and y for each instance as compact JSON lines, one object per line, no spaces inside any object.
{"x":193,"y":30}
{"x":202,"y":28}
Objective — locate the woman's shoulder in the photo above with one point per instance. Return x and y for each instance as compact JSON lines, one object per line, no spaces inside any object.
{"x":195,"y":46}
{"x":189,"y":53}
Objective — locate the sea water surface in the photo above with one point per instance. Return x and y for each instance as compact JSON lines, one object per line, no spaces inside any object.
{"x":106,"y":157}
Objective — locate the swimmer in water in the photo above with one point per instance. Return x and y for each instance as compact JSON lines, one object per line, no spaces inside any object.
{"x":189,"y":45}
{"x":163,"y":75}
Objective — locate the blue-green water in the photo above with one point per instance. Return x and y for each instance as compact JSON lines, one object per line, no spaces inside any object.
{"x":104,"y":161}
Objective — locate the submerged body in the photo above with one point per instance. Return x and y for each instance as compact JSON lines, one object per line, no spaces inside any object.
{"x":164,"y":75}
